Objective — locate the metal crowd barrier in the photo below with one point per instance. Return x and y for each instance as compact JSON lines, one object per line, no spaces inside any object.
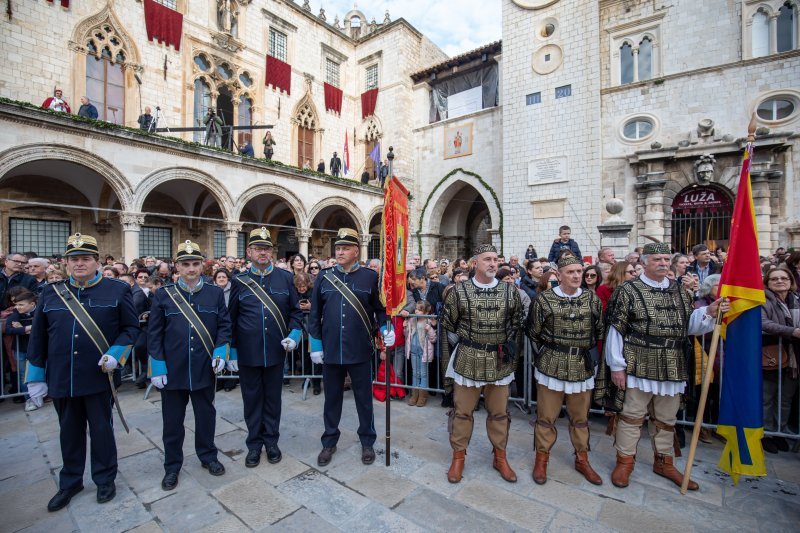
{"x":16,"y":378}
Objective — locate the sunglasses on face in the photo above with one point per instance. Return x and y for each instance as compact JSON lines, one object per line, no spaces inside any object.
{"x":313,"y":268}
{"x":591,"y":275}
{"x":630,"y":272}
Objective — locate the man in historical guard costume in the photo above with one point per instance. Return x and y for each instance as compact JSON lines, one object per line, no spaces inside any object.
{"x":565,"y":323}
{"x":486,"y":315}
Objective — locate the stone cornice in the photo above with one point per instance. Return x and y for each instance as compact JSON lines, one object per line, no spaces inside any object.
{"x":65,"y":124}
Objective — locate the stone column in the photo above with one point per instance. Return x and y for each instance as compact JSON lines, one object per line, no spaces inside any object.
{"x":303,"y":236}
{"x":635,"y":63}
{"x":232,"y":230}
{"x":654,"y":209}
{"x":761,"y":202}
{"x":365,"y":240}
{"x":773,"y":33}
{"x":131,"y":226}
{"x":615,"y":231}
{"x":494,"y":234}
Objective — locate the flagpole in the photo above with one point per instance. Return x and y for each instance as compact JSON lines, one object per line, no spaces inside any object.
{"x":387,"y":368}
{"x":698,"y":420}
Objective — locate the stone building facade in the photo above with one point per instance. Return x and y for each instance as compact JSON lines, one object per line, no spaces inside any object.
{"x":143,"y":194}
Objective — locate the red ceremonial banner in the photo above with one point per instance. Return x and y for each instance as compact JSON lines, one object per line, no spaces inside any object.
{"x":279,"y":74}
{"x":333,"y":98}
{"x":368,"y":101}
{"x":163,"y":24}
{"x":64,"y":3}
{"x":394,"y":243}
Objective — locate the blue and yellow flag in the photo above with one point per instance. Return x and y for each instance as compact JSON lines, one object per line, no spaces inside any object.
{"x":741,"y":420}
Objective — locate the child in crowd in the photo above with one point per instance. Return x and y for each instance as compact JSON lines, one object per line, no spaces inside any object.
{"x":18,"y":325}
{"x":420,"y":336}
{"x":304,"y":284}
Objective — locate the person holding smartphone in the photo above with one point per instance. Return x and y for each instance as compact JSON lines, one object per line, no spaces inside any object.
{"x":303,"y":284}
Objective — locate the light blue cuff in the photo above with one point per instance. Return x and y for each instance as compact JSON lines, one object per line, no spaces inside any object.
{"x":316,"y":344}
{"x":120,"y":353}
{"x":384,"y":331}
{"x":221,"y":352}
{"x":295,"y":335}
{"x":156,"y":368}
{"x":33,"y":373}
{"x":233,"y":355}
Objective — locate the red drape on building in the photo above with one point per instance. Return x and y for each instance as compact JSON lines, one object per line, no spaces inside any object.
{"x":64,"y":3}
{"x":279,"y":74}
{"x":163,"y":24}
{"x":368,"y":101}
{"x":333,"y":98}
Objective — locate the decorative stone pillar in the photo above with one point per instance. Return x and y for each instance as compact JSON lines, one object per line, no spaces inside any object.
{"x":232,"y":230}
{"x":654,"y":208}
{"x":303,"y":236}
{"x":131,"y":227}
{"x":773,"y":33}
{"x":365,"y":239}
{"x":615,"y":231}
{"x":761,"y":202}
{"x":494,"y":235}
{"x":429,"y":245}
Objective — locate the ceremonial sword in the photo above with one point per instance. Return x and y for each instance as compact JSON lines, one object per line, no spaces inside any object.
{"x":114,"y":395}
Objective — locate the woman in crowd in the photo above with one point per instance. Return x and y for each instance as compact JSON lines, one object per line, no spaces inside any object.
{"x":420,"y":335}
{"x":530,"y":282}
{"x":222,"y":279}
{"x":548,"y":280}
{"x":56,"y":272}
{"x":304,"y":285}
{"x":591,"y":278}
{"x":297,"y":264}
{"x":604,"y":269}
{"x":780,"y":329}
{"x":314,"y":268}
{"x":621,"y":272}
{"x":110,"y":272}
{"x":530,"y":253}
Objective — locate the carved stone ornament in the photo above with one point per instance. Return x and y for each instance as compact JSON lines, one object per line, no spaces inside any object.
{"x":704,"y":169}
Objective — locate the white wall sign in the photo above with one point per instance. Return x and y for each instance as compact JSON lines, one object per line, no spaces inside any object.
{"x":547,"y":170}
{"x":465,"y":102}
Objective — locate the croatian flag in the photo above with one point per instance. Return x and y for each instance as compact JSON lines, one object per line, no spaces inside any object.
{"x":345,"y":156}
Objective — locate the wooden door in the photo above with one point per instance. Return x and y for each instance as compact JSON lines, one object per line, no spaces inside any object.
{"x":305,"y":147}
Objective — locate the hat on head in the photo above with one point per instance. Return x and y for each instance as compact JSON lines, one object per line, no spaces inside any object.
{"x":188,"y":251}
{"x":483,"y":248}
{"x":656,"y":248}
{"x":260,"y":237}
{"x":568,"y":260}
{"x":81,"y":245}
{"x":347,"y":236}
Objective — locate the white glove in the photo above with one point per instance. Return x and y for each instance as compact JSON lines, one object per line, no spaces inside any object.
{"x":37,"y":390}
{"x":233,"y":365}
{"x":288,"y":344}
{"x":217,"y":365}
{"x":107,"y":363}
{"x":316,"y":357}
{"x":388,"y":339}
{"x":159,"y":381}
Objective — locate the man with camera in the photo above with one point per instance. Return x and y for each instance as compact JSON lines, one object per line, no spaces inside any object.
{"x":213,"y":124}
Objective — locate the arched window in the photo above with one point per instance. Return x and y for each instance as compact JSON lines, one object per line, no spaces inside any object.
{"x":787,"y":39}
{"x":105,"y":84}
{"x":626,"y":63}
{"x":371,"y":141}
{"x":245,"y":118}
{"x":760,"y":34}
{"x":202,"y":101}
{"x":645,"y":59}
{"x":306,"y":126}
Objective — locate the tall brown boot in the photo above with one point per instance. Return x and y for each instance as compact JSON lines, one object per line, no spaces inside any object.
{"x":456,"y":467}
{"x":582,"y":465}
{"x":540,"y":468}
{"x":413,"y":397}
{"x":423,"y":398}
{"x":663,"y":466}
{"x":622,"y":472}
{"x":502,"y":466}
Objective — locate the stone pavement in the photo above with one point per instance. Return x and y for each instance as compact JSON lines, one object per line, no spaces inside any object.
{"x":411,"y":495}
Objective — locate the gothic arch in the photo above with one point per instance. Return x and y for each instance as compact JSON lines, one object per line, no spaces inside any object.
{"x":294,"y":203}
{"x":338,"y":201}
{"x":305,"y":113}
{"x":154,"y":179}
{"x":14,"y":157}
{"x":377,"y":210}
{"x":445,"y":190}
{"x":371,"y":129}
{"x":104,"y":20}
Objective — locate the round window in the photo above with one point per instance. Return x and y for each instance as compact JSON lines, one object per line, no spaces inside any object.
{"x":637,"y":129}
{"x":245,"y":78}
{"x":777,"y":108}
{"x":202,"y":62}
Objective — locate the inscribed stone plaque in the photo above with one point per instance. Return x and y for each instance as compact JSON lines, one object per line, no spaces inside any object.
{"x":547,"y":170}
{"x":549,"y":208}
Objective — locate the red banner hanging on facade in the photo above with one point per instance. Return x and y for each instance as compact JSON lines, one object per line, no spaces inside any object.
{"x":394,"y":244}
{"x":64,"y":3}
{"x":163,"y":24}
{"x":333,"y":98}
{"x":279,"y":74}
{"x":368,"y":101}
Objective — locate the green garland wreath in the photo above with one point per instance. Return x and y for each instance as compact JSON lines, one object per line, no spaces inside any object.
{"x":101,"y":124}
{"x":447,"y":176}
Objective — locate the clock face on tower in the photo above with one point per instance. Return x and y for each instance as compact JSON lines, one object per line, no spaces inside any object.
{"x":534,"y":4}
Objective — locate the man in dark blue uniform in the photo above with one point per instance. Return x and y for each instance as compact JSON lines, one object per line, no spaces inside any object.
{"x":346,"y":312}
{"x":267,"y":323}
{"x":66,"y":361}
{"x":188,"y":339}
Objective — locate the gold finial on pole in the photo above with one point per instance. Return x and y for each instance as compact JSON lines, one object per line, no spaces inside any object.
{"x":751,"y":129}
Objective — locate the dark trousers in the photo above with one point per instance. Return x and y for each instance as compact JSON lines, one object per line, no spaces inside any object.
{"x":261,"y":396}
{"x":333,"y":379}
{"x":173,"y":413}
{"x":73,"y":415}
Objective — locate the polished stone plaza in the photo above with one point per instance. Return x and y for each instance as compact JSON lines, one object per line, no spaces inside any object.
{"x":411,"y":495}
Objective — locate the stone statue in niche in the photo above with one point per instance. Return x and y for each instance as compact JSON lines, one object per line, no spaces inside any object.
{"x":704,"y":169}
{"x":228,"y":16}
